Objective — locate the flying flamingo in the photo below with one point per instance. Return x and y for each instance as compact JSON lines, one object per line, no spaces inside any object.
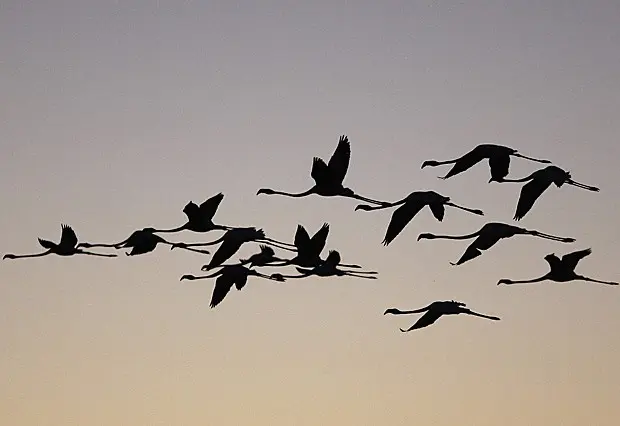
{"x":232,"y":241}
{"x":488,"y":236}
{"x":561,"y":270}
{"x":309,"y":249}
{"x":328,"y":178}
{"x":328,"y":268}
{"x":540,"y":180}
{"x":435,"y":310}
{"x":141,"y":241}
{"x":200,"y":218}
{"x":68,"y":246}
{"x":228,"y":276}
{"x":498,"y":156}
{"x":411,"y":206}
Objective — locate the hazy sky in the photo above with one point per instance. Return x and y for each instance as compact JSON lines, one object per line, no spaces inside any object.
{"x":115,"y":114}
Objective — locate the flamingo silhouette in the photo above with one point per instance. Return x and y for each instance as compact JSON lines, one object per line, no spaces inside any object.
{"x":488,"y":236}
{"x":538,"y":183}
{"x":411,"y":206}
{"x":228,"y":276}
{"x":141,"y":241}
{"x":309,"y":249}
{"x":498,"y":156}
{"x":232,"y":241}
{"x":435,"y":310}
{"x":561,"y":270}
{"x":200,"y":218}
{"x":68,"y":246}
{"x":328,"y":268}
{"x":328,"y":178}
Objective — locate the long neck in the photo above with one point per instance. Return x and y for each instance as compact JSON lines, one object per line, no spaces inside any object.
{"x":415,"y":311}
{"x":533,"y":280}
{"x":22,"y":256}
{"x":290,"y":194}
{"x":455,"y":237}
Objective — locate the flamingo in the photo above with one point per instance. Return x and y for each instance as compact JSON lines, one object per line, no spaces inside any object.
{"x":228,"y":276}
{"x":538,"y":183}
{"x":328,"y":268}
{"x":411,"y":206}
{"x":561,"y":270}
{"x":435,"y":310}
{"x":498,"y":156}
{"x":200,"y":218}
{"x":232,"y":241}
{"x":68,"y":246}
{"x":488,"y":236}
{"x":141,"y":241}
{"x":328,"y":178}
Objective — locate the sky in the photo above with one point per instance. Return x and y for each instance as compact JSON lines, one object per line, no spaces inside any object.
{"x":116,"y":114}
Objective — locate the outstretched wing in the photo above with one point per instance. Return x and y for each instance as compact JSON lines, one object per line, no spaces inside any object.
{"x":333,"y":258}
{"x":302,"y":239}
{"x":319,"y":239}
{"x":529,"y":194}
{"x":400,"y":218}
{"x":499,"y":165}
{"x":438,"y":210}
{"x":223,"y":284}
{"x":210,"y":206}
{"x":67,"y":236}
{"x":425,"y":320}
{"x":571,"y":260}
{"x":225,"y":251}
{"x":266,"y":250}
{"x":320,"y":172}
{"x":339,"y":162}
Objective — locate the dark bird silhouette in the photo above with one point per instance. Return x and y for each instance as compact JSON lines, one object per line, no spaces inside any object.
{"x":411,"y":206}
{"x":141,"y":241}
{"x":228,"y":276}
{"x":490,"y":234}
{"x":329,"y":268}
{"x":435,"y":310}
{"x":498,"y":156}
{"x":68,"y":246}
{"x":232,"y":241}
{"x":538,"y":183}
{"x":561,"y":270}
{"x":328,"y":178}
{"x":309,"y":249}
{"x":200,"y":218}
{"x":264,"y":257}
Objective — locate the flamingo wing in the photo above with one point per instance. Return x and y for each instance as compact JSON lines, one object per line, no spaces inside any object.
{"x":320,"y":172}
{"x":333,"y":258}
{"x":319,"y":239}
{"x":302,"y":239}
{"x":530,"y":192}
{"x":400,"y":218}
{"x":438,"y":210}
{"x":570,"y":260}
{"x":210,"y":206}
{"x":225,"y":251}
{"x":339,"y":162}
{"x":500,"y":165}
{"x":223,"y":284}
{"x":68,"y":237}
{"x":425,"y":320}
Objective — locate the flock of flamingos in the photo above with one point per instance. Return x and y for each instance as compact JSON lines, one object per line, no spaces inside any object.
{"x":306,"y":250}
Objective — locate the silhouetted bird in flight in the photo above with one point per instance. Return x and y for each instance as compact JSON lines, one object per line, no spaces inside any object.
{"x":561,"y":270}
{"x":328,"y":178}
{"x":329,"y":268}
{"x":411,"y":206}
{"x":435,"y":310}
{"x":309,"y":249}
{"x":232,"y":241}
{"x":264,"y":257}
{"x":200,"y":218}
{"x":141,"y":241}
{"x":228,"y":276}
{"x":490,"y":234}
{"x":540,"y":180}
{"x":498,"y":156}
{"x":68,"y":246}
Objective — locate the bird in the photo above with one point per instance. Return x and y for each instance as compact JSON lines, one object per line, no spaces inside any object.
{"x":435,"y":310}
{"x":67,"y":246}
{"x":328,"y":178}
{"x":141,"y":241}
{"x":200,"y":218}
{"x":265,"y":256}
{"x":411,"y":206}
{"x":498,"y":156}
{"x":228,"y":276}
{"x":329,"y":268}
{"x":561,"y":270}
{"x":232,"y":241}
{"x":309,"y":249}
{"x":488,"y":235}
{"x":538,"y":183}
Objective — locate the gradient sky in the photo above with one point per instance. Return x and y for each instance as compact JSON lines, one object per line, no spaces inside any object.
{"x":115,"y":114}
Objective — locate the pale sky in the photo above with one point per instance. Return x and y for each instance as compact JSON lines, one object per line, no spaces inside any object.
{"x":115,"y":114}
